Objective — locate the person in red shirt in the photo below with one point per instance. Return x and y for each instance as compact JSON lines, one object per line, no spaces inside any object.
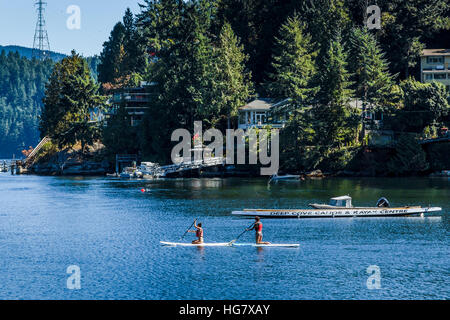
{"x":258,"y":226}
{"x":198,"y":233}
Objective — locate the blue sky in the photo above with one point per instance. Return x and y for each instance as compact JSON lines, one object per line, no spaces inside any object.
{"x":18,"y":21}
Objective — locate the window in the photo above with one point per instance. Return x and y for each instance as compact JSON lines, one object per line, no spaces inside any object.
{"x":260,"y":117}
{"x":440,"y":76}
{"x":435,"y":59}
{"x":428,"y":76}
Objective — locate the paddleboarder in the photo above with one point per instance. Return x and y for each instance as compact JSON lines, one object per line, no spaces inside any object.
{"x":198,"y":233}
{"x":258,"y":226}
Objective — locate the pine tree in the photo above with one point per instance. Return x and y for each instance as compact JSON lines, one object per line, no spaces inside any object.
{"x":124,"y":52}
{"x":232,"y":85}
{"x":323,"y":18}
{"x":71,"y":94}
{"x":293,"y":64}
{"x":335,"y":120}
{"x":373,"y":83}
{"x":112,"y":56}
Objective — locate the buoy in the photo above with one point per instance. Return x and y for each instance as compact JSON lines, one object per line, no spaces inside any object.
{"x":143,"y":190}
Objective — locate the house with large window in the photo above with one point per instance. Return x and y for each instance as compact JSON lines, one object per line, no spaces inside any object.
{"x":435,"y":66}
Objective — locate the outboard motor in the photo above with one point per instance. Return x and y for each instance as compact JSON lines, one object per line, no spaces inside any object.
{"x":383,"y":203}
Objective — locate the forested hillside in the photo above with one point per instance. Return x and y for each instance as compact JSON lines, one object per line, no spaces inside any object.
{"x":206,"y":58}
{"x":28,"y":52}
{"x":22,"y":85}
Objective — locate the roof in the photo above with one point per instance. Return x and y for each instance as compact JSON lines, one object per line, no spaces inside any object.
{"x":263,"y":104}
{"x":342,"y":198}
{"x":435,"y":52}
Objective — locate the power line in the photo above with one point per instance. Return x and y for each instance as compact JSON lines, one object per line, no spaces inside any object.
{"x":41,"y":45}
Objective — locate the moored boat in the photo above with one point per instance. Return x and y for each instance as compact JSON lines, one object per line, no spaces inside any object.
{"x":339,"y":207}
{"x":277,"y":177}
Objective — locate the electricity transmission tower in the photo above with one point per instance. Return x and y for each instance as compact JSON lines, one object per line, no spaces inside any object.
{"x":41,"y":45}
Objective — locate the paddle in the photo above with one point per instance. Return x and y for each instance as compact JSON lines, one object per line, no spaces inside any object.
{"x":233,"y":241}
{"x":188,"y":230}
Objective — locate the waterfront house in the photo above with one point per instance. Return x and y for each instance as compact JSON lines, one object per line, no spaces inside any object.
{"x":435,"y":66}
{"x":262,"y":112}
{"x":134,"y":99}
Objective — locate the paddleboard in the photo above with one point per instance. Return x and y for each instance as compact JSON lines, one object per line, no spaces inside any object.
{"x":279,"y":245}
{"x":174,"y":244}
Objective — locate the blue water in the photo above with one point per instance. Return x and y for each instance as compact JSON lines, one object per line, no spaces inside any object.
{"x":111,"y":230}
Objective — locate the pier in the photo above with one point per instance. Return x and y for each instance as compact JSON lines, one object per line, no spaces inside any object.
{"x":162,"y":171}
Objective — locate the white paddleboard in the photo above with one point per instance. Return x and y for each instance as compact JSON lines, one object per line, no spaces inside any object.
{"x":224,"y":244}
{"x":279,"y":245}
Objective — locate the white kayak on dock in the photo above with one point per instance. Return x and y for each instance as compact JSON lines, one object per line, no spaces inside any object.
{"x":174,"y":244}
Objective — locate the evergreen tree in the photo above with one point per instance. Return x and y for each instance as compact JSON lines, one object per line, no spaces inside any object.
{"x":71,"y":94}
{"x":124,"y":52}
{"x":323,"y":18}
{"x":112,"y":56}
{"x":335,"y":120}
{"x":232,"y":85}
{"x":293,"y":64}
{"x":373,"y":83}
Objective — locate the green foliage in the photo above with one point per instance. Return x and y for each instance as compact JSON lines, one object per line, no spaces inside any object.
{"x":424,"y":104}
{"x":119,"y":137}
{"x":46,"y":152}
{"x":334,"y":120}
{"x":199,"y":76}
{"x":409,"y":157}
{"x":71,"y":94}
{"x":438,"y":156}
{"x":323,"y":19}
{"x":22,"y":84}
{"x":405,"y":24}
{"x":124,"y":53}
{"x":293,"y":64}
{"x":232,"y":83}
{"x":373,"y":83}
{"x":179,"y":32}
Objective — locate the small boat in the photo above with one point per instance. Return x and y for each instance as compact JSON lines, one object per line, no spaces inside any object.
{"x":131,"y":173}
{"x":277,"y":177}
{"x":174,"y":244}
{"x":339,"y":207}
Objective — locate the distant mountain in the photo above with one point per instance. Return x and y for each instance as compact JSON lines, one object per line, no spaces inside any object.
{"x":27,"y":52}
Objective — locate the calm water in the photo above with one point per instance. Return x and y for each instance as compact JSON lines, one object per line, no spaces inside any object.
{"x":112,"y":231}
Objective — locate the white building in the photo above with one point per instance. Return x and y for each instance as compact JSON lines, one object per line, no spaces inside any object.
{"x":259,"y":113}
{"x":435,"y":66}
